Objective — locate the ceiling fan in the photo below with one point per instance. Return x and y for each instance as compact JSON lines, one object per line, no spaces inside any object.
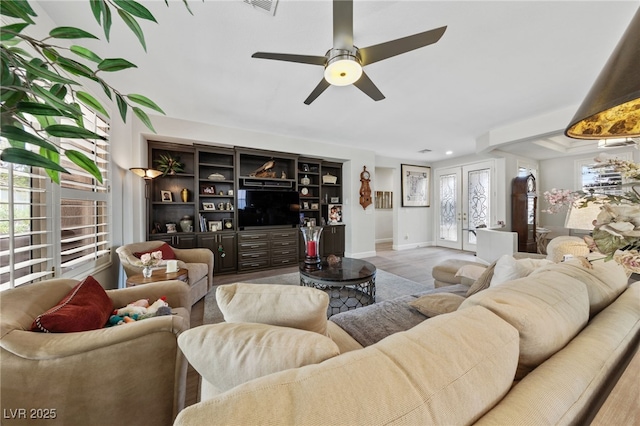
{"x":343,"y":62}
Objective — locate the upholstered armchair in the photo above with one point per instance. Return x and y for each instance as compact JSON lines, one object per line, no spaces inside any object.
{"x":105,"y":376}
{"x":198,"y":261}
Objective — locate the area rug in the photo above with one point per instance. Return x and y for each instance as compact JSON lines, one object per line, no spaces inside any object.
{"x":388,"y":286}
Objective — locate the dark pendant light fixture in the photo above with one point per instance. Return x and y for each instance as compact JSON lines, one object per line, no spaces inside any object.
{"x":612,"y":107}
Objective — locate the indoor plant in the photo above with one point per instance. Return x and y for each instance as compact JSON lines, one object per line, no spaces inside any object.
{"x":43,"y":80}
{"x":616,"y":232}
{"x":169,"y":165}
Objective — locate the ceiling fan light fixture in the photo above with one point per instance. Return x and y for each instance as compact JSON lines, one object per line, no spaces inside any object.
{"x":343,"y":68}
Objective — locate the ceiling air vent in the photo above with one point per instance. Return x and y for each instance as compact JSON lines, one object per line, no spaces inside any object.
{"x":615,"y":143}
{"x":424,"y":151}
{"x":267,"y":6}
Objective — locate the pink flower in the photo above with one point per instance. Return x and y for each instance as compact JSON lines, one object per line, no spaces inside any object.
{"x":630,"y":259}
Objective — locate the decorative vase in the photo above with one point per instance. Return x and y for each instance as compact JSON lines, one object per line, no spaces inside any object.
{"x":186,"y":224}
{"x":305,"y":180}
{"x":147,"y":271}
{"x":311,"y":236}
{"x":184,"y":194}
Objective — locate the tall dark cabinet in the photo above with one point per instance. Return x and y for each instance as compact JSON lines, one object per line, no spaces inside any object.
{"x":197,"y":205}
{"x":524,"y":204}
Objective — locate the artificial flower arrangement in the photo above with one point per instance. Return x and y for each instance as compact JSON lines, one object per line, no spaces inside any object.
{"x":151,"y":259}
{"x":616,"y":232}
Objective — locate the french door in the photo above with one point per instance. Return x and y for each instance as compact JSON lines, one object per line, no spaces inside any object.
{"x":464,"y":197}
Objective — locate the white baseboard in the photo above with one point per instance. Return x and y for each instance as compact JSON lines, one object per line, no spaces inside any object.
{"x":384,"y":240}
{"x":412,"y":245}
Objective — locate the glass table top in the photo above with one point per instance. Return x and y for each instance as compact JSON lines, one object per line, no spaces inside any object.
{"x":348,"y":269}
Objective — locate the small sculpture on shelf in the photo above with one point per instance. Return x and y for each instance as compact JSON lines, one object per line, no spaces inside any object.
{"x":265,"y":171}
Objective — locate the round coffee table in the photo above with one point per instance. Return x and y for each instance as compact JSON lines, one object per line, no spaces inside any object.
{"x":158,"y":275}
{"x":350,"y":284}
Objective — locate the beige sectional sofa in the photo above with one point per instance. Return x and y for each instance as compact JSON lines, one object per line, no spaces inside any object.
{"x":543,"y":349}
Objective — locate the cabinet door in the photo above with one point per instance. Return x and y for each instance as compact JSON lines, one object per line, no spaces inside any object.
{"x":185,"y":241}
{"x":226,"y":253}
{"x":332,"y":241}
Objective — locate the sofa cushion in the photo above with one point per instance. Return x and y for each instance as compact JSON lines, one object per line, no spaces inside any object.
{"x":430,"y":374}
{"x":299,"y":307}
{"x":86,"y":307}
{"x":566,"y":244}
{"x":605,"y":281}
{"x":165,"y":249}
{"x":508,"y":268}
{"x":250,"y":350}
{"x":435,"y":304}
{"x":548,"y":310}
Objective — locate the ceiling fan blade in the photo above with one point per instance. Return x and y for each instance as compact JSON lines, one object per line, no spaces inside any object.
{"x":381,"y":51}
{"x":321,"y":87}
{"x":342,"y":24}
{"x":303,"y":59}
{"x":365,"y":84}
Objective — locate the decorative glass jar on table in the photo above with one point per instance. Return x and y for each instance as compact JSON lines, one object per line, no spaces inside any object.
{"x":311,"y":236}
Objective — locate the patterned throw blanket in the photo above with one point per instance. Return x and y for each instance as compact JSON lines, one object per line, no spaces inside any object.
{"x":373,"y":323}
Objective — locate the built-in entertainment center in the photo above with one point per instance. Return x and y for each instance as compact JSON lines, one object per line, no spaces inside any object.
{"x":245,"y":205}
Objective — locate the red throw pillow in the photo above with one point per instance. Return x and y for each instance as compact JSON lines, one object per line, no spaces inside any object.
{"x":86,"y":307}
{"x":167,"y":252}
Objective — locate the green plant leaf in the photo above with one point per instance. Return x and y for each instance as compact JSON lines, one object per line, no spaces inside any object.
{"x":50,"y":53}
{"x":81,"y":160}
{"x":75,"y":68}
{"x":55,"y":157}
{"x":7,"y":32}
{"x":144,"y":101}
{"x":136,"y":9}
{"x":36,"y":108}
{"x":133,"y":25}
{"x":105,"y":87}
{"x":144,"y":118}
{"x":71,"y":132}
{"x":11,"y":98}
{"x":28,"y":158}
{"x":20,"y":51}
{"x":91,"y":102}
{"x":45,"y":74}
{"x":115,"y":64}
{"x":18,"y":9}
{"x":14,"y":133}
{"x":59,"y":91}
{"x":106,"y":18}
{"x":85,"y":53}
{"x":96,"y":9}
{"x":122,"y":107}
{"x":70,"y":32}
{"x":185,"y":5}
{"x":54,"y":101}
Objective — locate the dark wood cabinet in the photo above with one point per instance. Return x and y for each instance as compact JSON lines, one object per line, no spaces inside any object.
{"x":524,"y":206}
{"x":332,"y":240}
{"x":224,"y":248}
{"x":206,"y":189}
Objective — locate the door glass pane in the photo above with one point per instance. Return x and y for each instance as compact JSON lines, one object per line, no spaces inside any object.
{"x":448,"y":203}
{"x":479,"y":187}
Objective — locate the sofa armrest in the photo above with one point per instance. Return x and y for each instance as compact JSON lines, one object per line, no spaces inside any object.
{"x":45,"y":346}
{"x":176,"y":292}
{"x":195,"y":255}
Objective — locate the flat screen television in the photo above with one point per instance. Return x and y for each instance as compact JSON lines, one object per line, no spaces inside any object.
{"x":260,"y":207}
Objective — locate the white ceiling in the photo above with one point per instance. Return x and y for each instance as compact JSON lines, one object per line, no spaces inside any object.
{"x":498,"y":63}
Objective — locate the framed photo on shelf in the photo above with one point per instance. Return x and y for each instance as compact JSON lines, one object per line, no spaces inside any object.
{"x":215,"y":225}
{"x":227,"y":223}
{"x":335,"y":200}
{"x":315,"y":206}
{"x":416,"y":181}
{"x":208,"y":206}
{"x":335,"y":214}
{"x":207,"y":189}
{"x":305,"y":205}
{"x":166,"y":196}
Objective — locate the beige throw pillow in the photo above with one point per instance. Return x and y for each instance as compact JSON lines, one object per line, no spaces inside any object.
{"x":508,"y":268}
{"x":483,"y":281}
{"x":227,"y":355}
{"x":436,"y":304}
{"x":299,"y":307}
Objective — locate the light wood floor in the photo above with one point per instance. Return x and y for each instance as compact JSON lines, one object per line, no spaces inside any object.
{"x":415,"y":265}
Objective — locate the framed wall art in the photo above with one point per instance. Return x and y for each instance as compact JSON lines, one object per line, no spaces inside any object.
{"x":416,"y":183}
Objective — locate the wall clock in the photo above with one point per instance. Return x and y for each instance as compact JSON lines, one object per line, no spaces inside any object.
{"x":365,"y":189}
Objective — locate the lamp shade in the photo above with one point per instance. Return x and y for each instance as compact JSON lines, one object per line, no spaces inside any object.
{"x":146,"y":173}
{"x":581,"y":216}
{"x":612,"y":107}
